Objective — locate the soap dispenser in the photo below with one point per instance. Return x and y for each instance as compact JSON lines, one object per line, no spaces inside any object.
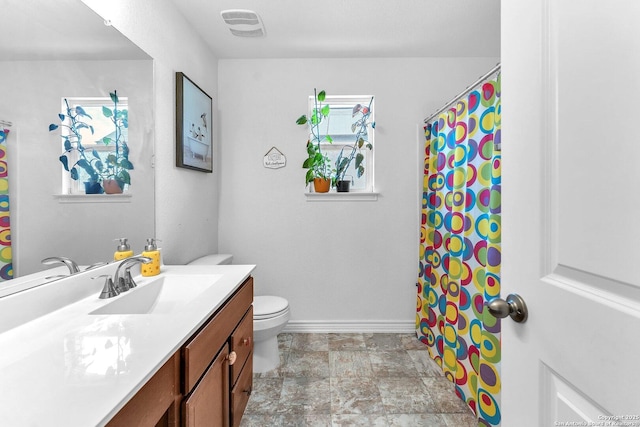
{"x":123,"y":251}
{"x":151,"y":251}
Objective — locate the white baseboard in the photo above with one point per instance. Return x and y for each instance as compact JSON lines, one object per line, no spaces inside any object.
{"x":350,"y":326}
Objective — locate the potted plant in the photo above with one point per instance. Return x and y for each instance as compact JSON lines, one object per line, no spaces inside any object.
{"x":109,"y":175}
{"x":115,"y":170}
{"x":317,"y":163}
{"x":349,"y":153}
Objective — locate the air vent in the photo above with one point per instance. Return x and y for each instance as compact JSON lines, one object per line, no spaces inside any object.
{"x":243,"y":23}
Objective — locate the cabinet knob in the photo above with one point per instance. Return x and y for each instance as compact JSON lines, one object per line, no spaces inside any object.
{"x":232,"y":358}
{"x":248,"y":392}
{"x":246,"y":341}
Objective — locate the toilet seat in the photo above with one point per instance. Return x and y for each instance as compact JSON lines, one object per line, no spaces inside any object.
{"x":268,"y":306}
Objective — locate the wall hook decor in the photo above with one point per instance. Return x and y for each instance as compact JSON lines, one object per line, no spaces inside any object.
{"x":274,"y":159}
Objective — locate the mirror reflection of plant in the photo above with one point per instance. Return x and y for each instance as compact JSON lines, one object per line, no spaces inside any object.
{"x":317,"y":162}
{"x":354,"y":152}
{"x":74,"y":120}
{"x":117,"y":164}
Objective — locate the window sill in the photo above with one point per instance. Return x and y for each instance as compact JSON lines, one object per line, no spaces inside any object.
{"x":93,"y":198}
{"x":335,"y":196}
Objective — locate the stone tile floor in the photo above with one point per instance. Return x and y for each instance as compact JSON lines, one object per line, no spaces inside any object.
{"x":360,"y":379}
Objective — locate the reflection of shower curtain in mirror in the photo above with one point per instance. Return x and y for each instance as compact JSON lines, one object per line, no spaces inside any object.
{"x":6,"y":266}
{"x":460,"y":247}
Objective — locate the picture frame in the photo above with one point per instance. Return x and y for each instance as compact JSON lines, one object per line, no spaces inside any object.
{"x":194,"y":126}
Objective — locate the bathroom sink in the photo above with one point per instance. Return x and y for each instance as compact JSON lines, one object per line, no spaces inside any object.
{"x":163,"y":295}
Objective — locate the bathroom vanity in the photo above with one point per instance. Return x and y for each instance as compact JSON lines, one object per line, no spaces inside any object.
{"x":184,"y":360}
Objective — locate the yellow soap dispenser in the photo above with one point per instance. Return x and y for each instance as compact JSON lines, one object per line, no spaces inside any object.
{"x":151,"y":251}
{"x":123,"y":251}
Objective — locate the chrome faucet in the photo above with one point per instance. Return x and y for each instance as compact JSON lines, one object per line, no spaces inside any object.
{"x":71,"y":264}
{"x":122,"y":279}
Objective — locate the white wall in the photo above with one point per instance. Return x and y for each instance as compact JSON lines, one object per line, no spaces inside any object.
{"x":186,"y":200}
{"x":340,"y":264}
{"x":42,"y":225}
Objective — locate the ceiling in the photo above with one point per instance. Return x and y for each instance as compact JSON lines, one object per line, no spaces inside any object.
{"x":67,"y":29}
{"x":61,"y":30}
{"x":352,"y":28}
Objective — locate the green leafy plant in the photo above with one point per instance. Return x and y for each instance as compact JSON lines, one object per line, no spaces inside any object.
{"x":317,"y":162}
{"x":349,"y":153}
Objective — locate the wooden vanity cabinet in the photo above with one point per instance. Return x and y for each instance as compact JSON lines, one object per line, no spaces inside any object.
{"x":215,"y":360}
{"x":208,"y":381}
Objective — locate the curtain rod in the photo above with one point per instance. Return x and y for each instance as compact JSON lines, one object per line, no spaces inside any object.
{"x":463,"y":93}
{"x":6,"y":123}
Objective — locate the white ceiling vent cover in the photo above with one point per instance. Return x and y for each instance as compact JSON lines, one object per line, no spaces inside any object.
{"x":243,"y":23}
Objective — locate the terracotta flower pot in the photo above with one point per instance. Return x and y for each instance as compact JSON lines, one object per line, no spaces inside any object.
{"x":321,"y":185}
{"x":111,"y":186}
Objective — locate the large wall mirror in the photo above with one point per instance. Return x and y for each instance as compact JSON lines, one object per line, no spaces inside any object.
{"x":52,"y":50}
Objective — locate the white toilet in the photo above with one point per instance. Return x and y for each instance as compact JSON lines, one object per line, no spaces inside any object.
{"x":270,"y":316}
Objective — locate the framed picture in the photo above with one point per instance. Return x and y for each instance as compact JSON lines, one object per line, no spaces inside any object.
{"x":194,"y":126}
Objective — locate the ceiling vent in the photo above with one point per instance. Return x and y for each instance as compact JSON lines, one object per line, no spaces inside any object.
{"x":243,"y":23}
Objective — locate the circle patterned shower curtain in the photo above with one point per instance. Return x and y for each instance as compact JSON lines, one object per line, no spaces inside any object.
{"x":6,"y":264}
{"x":460,"y":247}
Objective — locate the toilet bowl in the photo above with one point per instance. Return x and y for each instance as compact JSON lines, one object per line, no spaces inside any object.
{"x":270,"y":316}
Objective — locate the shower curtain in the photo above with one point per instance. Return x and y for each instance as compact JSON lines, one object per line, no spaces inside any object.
{"x":459,"y":268}
{"x":6,"y":264}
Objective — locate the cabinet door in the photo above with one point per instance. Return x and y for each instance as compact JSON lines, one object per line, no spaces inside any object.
{"x":241,"y":392}
{"x":242,"y":344}
{"x":208,"y":404}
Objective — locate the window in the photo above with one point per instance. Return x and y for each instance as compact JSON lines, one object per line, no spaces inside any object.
{"x":339,"y":125}
{"x":103,"y":128}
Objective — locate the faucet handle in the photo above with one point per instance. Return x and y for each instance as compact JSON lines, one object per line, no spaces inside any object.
{"x":108,"y":290}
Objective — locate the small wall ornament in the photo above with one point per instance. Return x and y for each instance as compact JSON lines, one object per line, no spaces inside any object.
{"x":274,"y":159}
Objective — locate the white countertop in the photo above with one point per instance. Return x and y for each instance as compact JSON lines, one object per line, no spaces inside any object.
{"x":69,"y":368}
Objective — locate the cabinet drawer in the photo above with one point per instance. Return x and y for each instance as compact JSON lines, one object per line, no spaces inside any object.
{"x":242,"y":344}
{"x":208,"y":404}
{"x":205,"y":344}
{"x":241,"y":392}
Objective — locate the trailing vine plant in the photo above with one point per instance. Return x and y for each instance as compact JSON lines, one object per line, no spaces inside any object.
{"x":117,"y":163}
{"x":74,"y":120}
{"x":354,"y":152}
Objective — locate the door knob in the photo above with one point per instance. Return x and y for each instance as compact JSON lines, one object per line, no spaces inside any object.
{"x":514,"y":306}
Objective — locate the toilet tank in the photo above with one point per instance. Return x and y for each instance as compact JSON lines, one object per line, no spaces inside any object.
{"x":214,"y":259}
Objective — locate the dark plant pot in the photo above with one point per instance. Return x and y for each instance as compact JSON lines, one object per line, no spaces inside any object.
{"x":93,"y":187}
{"x":343,"y":186}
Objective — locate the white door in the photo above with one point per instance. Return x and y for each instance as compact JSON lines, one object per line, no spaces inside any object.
{"x":571,"y":218}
